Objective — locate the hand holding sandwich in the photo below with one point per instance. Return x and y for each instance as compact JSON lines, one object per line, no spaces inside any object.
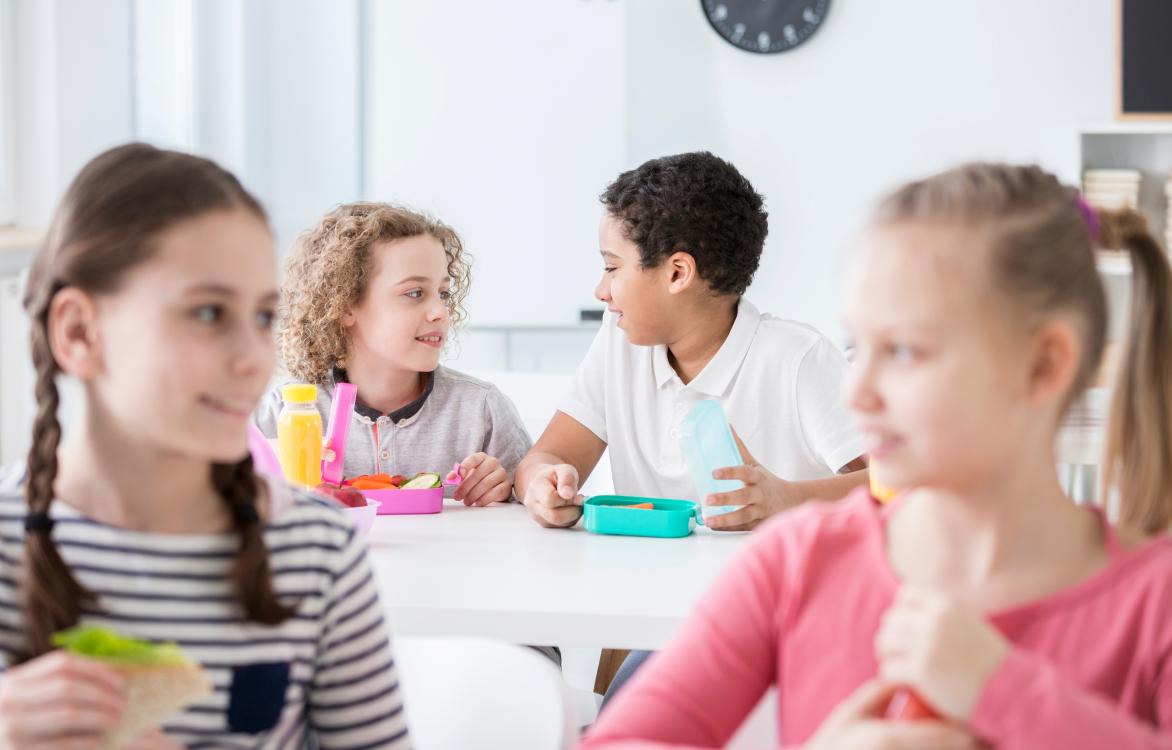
{"x":101,"y":690}
{"x":59,"y":700}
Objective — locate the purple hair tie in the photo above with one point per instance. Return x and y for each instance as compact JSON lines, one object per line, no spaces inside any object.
{"x":1089,"y":217}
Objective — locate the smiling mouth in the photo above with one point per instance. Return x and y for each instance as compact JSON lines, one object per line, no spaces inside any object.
{"x":230,"y":408}
{"x":435,"y":341}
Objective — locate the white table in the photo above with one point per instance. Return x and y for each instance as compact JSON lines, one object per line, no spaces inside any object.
{"x":493,"y":572}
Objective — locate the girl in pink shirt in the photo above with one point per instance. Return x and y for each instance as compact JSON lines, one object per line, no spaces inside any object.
{"x":1019,"y":618}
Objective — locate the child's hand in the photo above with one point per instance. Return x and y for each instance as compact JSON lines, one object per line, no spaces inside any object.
{"x":943,"y":651}
{"x":857,"y":724}
{"x":59,"y":700}
{"x":763,"y":494}
{"x":484,"y":481}
{"x":552,"y":496}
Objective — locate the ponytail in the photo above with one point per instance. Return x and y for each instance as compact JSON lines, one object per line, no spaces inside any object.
{"x":1138,"y":462}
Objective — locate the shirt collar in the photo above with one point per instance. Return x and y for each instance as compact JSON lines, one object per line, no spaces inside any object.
{"x":403,"y":412}
{"x":716,"y":377}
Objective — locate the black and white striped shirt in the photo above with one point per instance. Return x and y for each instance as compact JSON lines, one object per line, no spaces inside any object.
{"x":325,"y":676}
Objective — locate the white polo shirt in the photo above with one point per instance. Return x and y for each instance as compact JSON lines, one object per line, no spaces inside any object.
{"x":777,"y":380}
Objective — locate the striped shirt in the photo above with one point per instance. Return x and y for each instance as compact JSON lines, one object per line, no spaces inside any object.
{"x":326,"y":676}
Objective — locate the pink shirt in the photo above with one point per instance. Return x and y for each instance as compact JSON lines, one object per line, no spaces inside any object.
{"x":799,"y":608}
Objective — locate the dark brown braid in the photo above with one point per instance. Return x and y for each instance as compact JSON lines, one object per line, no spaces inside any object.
{"x":237,"y":484}
{"x":56,"y":599}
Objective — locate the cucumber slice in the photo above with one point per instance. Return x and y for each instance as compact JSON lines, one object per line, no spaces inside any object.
{"x":425,"y":481}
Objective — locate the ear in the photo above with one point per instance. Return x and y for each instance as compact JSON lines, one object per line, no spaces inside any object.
{"x":348,"y":319}
{"x":74,"y":337}
{"x":1054,"y":361}
{"x":680,"y":268}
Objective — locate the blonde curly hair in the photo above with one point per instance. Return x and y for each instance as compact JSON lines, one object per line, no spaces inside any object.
{"x":328,"y":271}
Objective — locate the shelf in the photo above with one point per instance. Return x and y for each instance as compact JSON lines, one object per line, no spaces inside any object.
{"x":1113,"y":263}
{"x":19,"y":239}
{"x":1128,"y":128}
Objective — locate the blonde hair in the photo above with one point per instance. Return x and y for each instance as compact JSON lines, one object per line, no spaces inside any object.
{"x":329,"y":270}
{"x":1042,"y":262}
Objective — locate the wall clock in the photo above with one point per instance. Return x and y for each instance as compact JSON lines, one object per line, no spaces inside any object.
{"x":765,"y":26}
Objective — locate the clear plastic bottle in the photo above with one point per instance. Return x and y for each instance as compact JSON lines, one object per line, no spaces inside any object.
{"x":299,"y":435}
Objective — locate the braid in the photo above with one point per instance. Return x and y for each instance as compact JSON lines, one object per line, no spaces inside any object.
{"x":53,"y":597}
{"x":237,"y":485}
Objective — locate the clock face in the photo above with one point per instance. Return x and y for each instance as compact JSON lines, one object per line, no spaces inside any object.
{"x":765,"y":26}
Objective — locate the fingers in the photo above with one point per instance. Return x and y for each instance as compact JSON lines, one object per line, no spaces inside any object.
{"x":566,"y":481}
{"x":66,"y":665}
{"x":556,"y":518}
{"x":743,"y":519}
{"x":747,"y":474}
{"x":927,"y":735}
{"x":492,"y":488}
{"x":868,"y":701}
{"x":745,"y":455}
{"x":472,"y":469}
{"x":552,"y":497}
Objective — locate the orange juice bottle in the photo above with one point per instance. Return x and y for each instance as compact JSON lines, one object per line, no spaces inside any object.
{"x":299,"y":435}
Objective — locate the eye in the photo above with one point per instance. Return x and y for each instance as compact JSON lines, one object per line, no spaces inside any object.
{"x":445,"y":295}
{"x":610,"y":269}
{"x":265,"y":319}
{"x":901,"y":353}
{"x":415,"y":294}
{"x":210,"y":314}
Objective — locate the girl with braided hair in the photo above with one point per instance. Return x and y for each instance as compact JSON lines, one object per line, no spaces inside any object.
{"x":156,"y":290}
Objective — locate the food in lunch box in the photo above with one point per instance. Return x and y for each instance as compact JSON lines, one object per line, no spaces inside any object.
{"x":641,"y":506}
{"x":348,"y":496}
{"x":423,"y":481}
{"x":160,"y":679}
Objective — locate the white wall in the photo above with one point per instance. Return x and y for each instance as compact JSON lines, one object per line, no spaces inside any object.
{"x":506,"y":119}
{"x":7,"y":118}
{"x":885,"y":91}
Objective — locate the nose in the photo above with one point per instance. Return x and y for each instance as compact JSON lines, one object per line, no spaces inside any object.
{"x":252,"y":353}
{"x":438,"y":312}
{"x":602,"y":290}
{"x":858,"y":387}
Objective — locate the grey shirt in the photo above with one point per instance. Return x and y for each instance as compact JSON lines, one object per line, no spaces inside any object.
{"x":457,"y":415}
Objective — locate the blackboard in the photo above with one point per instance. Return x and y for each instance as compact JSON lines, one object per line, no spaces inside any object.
{"x":1145,"y":59}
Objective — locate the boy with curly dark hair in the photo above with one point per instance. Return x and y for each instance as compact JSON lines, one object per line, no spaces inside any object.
{"x":681,"y":237}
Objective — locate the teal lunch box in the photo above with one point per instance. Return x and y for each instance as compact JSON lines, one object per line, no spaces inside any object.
{"x":609,"y":514}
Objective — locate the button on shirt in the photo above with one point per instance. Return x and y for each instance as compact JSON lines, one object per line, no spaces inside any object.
{"x":777,"y":380}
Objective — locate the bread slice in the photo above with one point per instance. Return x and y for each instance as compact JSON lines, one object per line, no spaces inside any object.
{"x":152,"y":694}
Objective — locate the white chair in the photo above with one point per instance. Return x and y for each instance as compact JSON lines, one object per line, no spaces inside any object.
{"x":462,"y":693}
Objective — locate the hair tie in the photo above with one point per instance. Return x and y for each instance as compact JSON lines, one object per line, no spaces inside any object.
{"x":1090,"y":218}
{"x":245,"y":514}
{"x":38,"y":523}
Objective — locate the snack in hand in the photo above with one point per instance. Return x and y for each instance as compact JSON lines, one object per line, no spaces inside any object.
{"x":160,"y":679}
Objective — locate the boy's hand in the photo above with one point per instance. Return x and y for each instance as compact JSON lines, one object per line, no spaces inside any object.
{"x":552,"y":496}
{"x":484,"y":481}
{"x":857,"y":723}
{"x":763,"y":494}
{"x":943,"y":651}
